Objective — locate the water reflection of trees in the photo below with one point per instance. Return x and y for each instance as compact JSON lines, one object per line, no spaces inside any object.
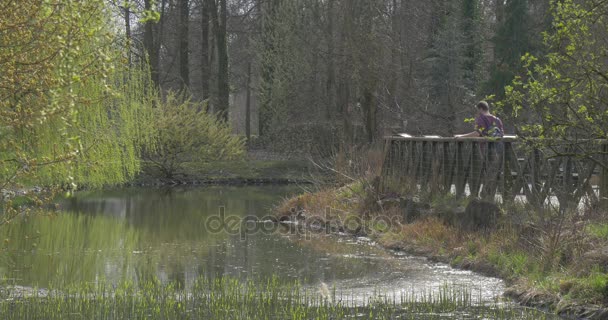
{"x":60,"y":249}
{"x":136,"y":235}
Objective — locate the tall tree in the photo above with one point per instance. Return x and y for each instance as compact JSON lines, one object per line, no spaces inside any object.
{"x":454,"y":60}
{"x":184,"y":68}
{"x":223,"y":72}
{"x":511,"y":42}
{"x":248,"y":104}
{"x":367,"y":62}
{"x":331,"y":73}
{"x":205,"y":63}
{"x":149,"y":43}
{"x":126,"y":7}
{"x":472,"y":46}
{"x":267,"y":57}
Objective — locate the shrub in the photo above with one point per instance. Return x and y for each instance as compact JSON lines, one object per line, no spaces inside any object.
{"x":186,"y":132}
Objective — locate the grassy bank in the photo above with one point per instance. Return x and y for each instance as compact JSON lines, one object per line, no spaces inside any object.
{"x":554,"y":263}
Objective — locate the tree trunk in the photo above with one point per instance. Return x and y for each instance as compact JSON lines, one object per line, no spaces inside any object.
{"x":370,"y":112}
{"x":344,"y":103}
{"x":127,"y":19}
{"x":159,"y":39}
{"x":150,"y":46}
{"x":184,"y":71}
{"x":205,"y":65}
{"x":248,"y":105}
{"x":345,"y":110}
{"x":222,"y":50}
{"x":267,"y":72}
{"x":331,"y":74}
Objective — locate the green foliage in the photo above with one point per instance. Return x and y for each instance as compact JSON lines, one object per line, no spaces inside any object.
{"x":598,"y":282}
{"x":563,"y":94}
{"x":111,"y":125}
{"x":70,"y":109}
{"x":599,"y":230}
{"x":592,"y":286}
{"x":187,"y":133}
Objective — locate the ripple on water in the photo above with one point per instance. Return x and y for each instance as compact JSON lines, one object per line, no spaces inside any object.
{"x":126,"y":234}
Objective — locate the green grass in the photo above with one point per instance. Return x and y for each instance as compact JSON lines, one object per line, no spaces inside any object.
{"x":599,"y":230}
{"x":229,"y":298}
{"x":353,"y":190}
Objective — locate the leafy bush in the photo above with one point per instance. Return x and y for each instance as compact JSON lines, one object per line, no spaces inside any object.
{"x":187,"y":133}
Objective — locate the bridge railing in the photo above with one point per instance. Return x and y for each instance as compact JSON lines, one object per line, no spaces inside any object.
{"x":489,"y":167}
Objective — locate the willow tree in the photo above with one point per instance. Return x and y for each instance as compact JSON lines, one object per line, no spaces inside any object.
{"x":71,"y":112}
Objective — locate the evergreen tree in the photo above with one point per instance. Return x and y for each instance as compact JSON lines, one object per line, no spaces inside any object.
{"x":454,"y":62}
{"x":472,"y":48}
{"x":511,"y":42}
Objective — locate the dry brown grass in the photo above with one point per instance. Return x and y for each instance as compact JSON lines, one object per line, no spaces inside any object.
{"x":319,"y":203}
{"x":430,"y":233}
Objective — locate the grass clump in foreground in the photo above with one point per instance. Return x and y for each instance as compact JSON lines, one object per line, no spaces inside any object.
{"x":553,"y":259}
{"x":229,"y":298}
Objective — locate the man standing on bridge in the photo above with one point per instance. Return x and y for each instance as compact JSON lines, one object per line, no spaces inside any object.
{"x":486,"y":124}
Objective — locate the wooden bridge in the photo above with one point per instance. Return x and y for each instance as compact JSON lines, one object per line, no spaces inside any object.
{"x":497,"y":169}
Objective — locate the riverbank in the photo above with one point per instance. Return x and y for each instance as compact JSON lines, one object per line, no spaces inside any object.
{"x":562,"y":271}
{"x":250,"y":172}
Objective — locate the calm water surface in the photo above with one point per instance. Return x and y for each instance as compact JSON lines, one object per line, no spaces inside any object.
{"x":138,"y":234}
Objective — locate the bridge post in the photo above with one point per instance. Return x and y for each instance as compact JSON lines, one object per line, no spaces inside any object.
{"x":603,"y":183}
{"x":476,"y":168}
{"x":447,"y":167}
{"x":435,"y":172}
{"x":535,"y":172}
{"x":410,"y":160}
{"x":493,"y":164}
{"x":426,"y":163}
{"x":387,"y":169}
{"x":460,"y":170}
{"x":508,"y":194}
{"x":397,"y":158}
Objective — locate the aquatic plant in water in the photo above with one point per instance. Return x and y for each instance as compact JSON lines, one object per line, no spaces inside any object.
{"x":231,"y":298}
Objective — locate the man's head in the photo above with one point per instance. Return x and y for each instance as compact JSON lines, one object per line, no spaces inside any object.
{"x":483,"y":107}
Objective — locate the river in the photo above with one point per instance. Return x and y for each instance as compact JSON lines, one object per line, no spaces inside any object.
{"x":175,"y":235}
